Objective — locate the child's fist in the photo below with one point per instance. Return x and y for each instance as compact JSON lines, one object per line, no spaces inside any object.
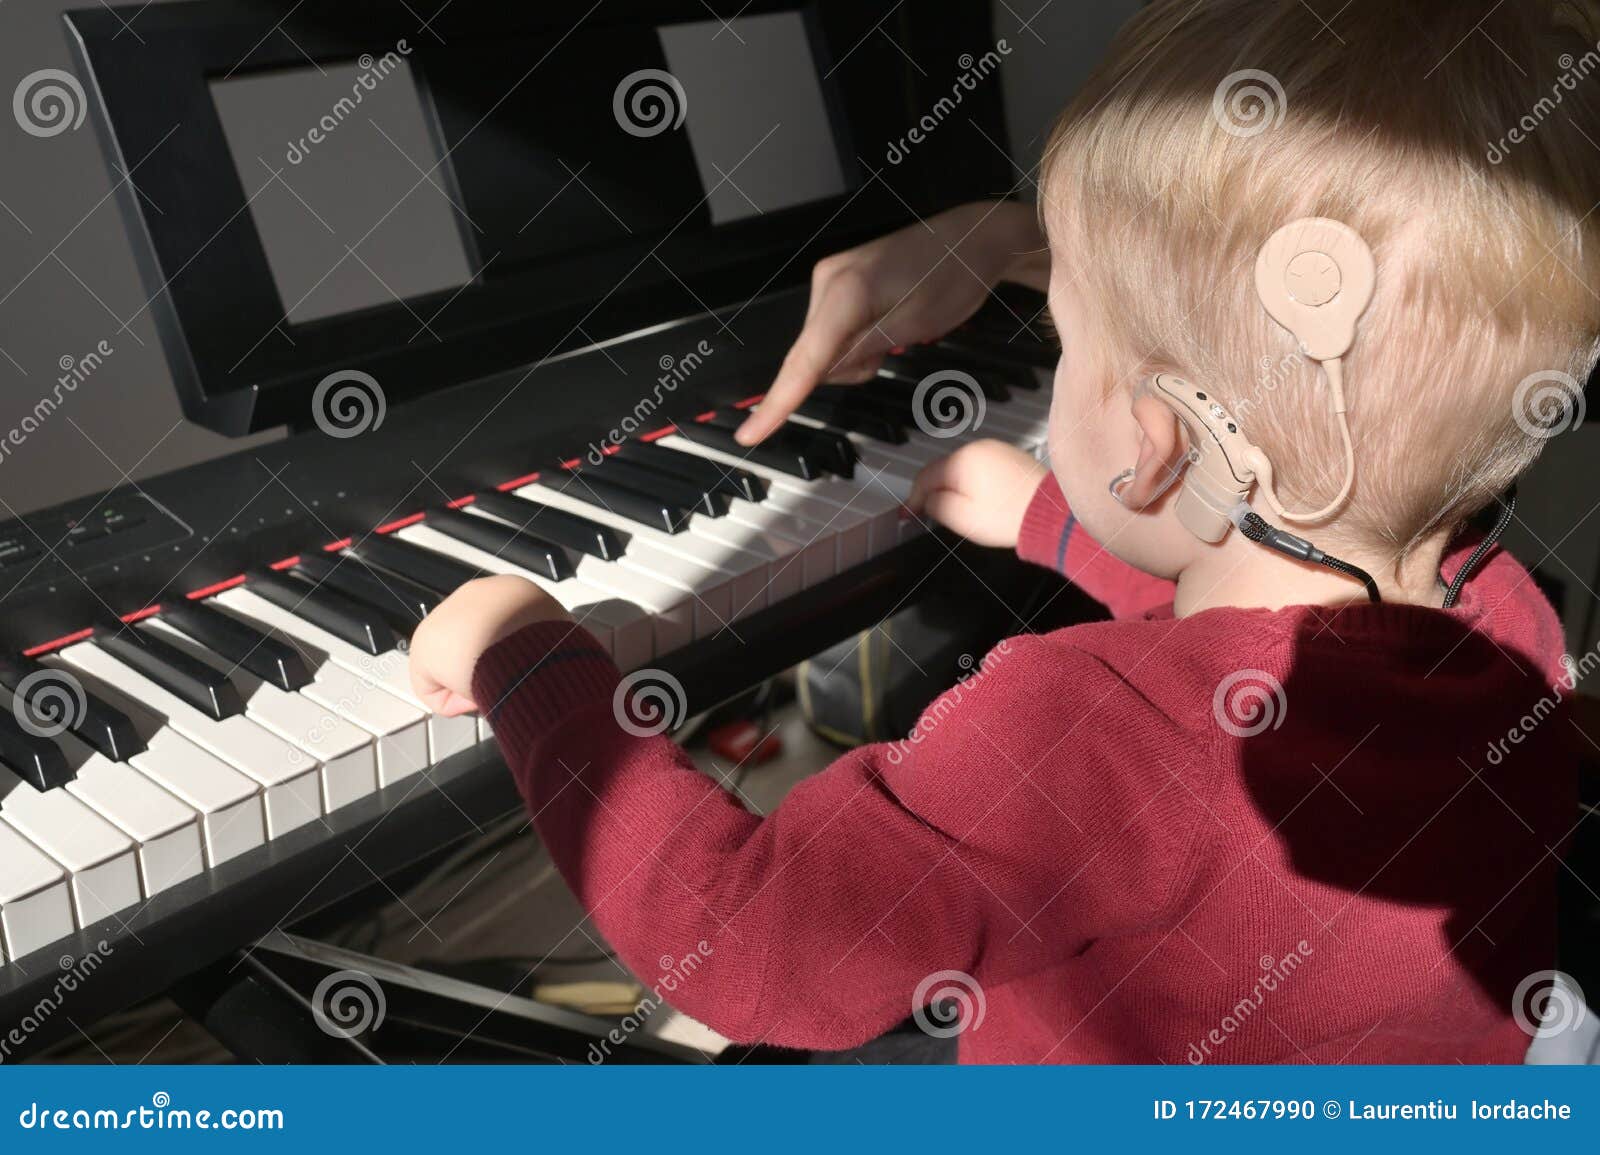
{"x":981,"y":491}
{"x":447,"y":645}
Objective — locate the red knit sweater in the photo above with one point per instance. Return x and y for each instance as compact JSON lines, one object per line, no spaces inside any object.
{"x":1240,"y":836}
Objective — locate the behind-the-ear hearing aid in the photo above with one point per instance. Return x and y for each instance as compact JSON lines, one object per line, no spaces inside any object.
{"x":1315,"y":277}
{"x":1217,"y":472}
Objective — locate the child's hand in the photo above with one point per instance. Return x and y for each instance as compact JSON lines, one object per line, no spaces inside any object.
{"x":447,"y":645}
{"x":910,"y":286}
{"x":981,"y":491}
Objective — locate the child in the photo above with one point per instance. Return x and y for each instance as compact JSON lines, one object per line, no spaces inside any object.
{"x":1254,"y":817}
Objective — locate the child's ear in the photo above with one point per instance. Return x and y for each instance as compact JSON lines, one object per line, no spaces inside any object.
{"x":1161,"y":453}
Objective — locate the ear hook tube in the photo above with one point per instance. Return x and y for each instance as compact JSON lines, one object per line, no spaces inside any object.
{"x":1123,"y":479}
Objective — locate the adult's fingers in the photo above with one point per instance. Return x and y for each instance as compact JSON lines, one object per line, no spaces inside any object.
{"x":837,"y":329}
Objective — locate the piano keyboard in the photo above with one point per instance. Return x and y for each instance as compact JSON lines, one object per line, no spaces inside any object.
{"x":208,"y":729}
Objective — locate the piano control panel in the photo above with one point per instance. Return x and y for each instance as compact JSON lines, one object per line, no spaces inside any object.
{"x":92,"y":533}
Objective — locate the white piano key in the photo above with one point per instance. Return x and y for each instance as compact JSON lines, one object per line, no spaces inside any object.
{"x":289,"y":778}
{"x":730,"y":543}
{"x":1033,"y":405}
{"x":346,"y":753}
{"x":829,"y":507}
{"x":232,"y":814}
{"x":867,"y":525}
{"x":818,"y":552}
{"x":632,"y":636}
{"x":387,"y":671}
{"x":165,"y":830}
{"x":98,"y":858}
{"x":655,"y":579}
{"x":35,"y":899}
{"x":714,"y":572}
{"x":1005,"y":424}
{"x":400,"y":729}
{"x":746,"y":557}
{"x":862,"y":500}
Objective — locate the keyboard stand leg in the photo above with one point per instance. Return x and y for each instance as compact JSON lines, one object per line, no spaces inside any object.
{"x":252,"y":1013}
{"x":290,"y":999}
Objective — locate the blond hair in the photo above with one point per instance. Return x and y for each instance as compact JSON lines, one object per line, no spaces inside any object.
{"x":1450,"y":135}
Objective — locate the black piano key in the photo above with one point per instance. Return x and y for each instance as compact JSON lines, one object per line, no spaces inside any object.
{"x":771,"y":453}
{"x":271,"y":659}
{"x":854,"y":419}
{"x":898,"y":399}
{"x":705,"y":499}
{"x":655,"y":512}
{"x":33,"y":758}
{"x":516,"y":546}
{"x":998,"y":372}
{"x":835,"y":452}
{"x":173,"y":669}
{"x":104,"y":727}
{"x":1024,"y":352}
{"x":555,"y":525}
{"x":922,"y":362}
{"x":343,"y":617}
{"x":887,"y":399}
{"x":1012,"y":313}
{"x":402,"y":603}
{"x":444,"y":575}
{"x":728,"y":479}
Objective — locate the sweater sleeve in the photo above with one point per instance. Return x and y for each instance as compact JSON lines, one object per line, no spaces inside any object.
{"x":1052,"y":537}
{"x":956,"y":849}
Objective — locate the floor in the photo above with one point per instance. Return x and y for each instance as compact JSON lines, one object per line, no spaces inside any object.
{"x":496,"y":910}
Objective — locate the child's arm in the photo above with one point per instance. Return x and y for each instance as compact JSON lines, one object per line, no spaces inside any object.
{"x":964,"y":849}
{"x":1051,"y":537}
{"x":997,"y":495}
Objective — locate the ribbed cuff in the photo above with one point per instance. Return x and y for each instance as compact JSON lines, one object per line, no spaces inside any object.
{"x":1046,"y":526}
{"x":528,"y":683}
